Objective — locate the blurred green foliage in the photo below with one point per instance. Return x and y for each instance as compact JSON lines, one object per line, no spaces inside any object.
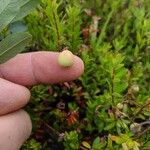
{"x":71,"y":141}
{"x":58,"y":28}
{"x":95,"y":112}
{"x":32,"y":144}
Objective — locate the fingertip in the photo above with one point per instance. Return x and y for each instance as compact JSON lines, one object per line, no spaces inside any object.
{"x":26,"y":94}
{"x":28,"y":124}
{"x":15,"y":128}
{"x":13,"y":96}
{"x":78,"y":67}
{"x":48,"y":71}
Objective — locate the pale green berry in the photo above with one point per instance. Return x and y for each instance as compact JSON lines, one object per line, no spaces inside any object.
{"x":135,"y":127}
{"x":135,"y":88}
{"x":120,"y":106}
{"x":65,"y":58}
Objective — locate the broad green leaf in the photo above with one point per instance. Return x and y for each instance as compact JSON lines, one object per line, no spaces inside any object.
{"x":8,"y":11}
{"x":6,"y":3}
{"x":14,"y":10}
{"x":13,"y":44}
{"x":26,"y":9}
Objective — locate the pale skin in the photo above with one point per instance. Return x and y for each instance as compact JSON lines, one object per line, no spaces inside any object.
{"x":16,"y":75}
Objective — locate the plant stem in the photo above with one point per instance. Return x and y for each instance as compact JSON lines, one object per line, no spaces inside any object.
{"x":140,"y":110}
{"x":142,"y":133}
{"x":57,"y":30}
{"x":145,"y":122}
{"x":55,"y":134}
{"x":103,"y":31}
{"x":112,"y":89}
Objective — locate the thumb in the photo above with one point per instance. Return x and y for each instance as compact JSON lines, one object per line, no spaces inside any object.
{"x":12,"y":96}
{"x":15,"y":128}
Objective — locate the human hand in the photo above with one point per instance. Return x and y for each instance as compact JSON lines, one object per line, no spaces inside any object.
{"x":15,"y":75}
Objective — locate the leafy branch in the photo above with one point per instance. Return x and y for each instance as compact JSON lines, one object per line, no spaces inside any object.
{"x":10,"y":12}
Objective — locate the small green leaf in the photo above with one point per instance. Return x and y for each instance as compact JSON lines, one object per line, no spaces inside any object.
{"x":97,"y":145}
{"x":146,"y":112}
{"x":110,"y":126}
{"x":109,"y":143}
{"x":147,"y":144}
{"x":13,"y":44}
{"x":86,"y":144}
{"x":124,"y":146}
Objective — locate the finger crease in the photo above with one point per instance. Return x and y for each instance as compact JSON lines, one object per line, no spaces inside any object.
{"x":32,"y":70}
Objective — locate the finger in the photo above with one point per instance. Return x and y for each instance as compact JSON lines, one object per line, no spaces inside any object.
{"x":15,"y":128}
{"x":39,"y":67}
{"x":12,"y":96}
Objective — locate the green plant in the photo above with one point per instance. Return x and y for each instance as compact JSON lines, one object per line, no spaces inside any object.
{"x":57,"y":26}
{"x":71,"y":141}
{"x":96,"y":144}
{"x":10,"y":12}
{"x":32,"y":145}
{"x":112,"y":38}
{"x":126,"y":141}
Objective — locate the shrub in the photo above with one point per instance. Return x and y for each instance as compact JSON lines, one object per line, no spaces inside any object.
{"x":112,"y":38}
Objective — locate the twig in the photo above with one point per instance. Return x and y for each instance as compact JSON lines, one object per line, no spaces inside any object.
{"x":112,"y":90}
{"x":140,"y":110}
{"x":140,"y":134}
{"x":45,"y":109}
{"x":57,"y":29}
{"x":55,"y":134}
{"x":145,"y":122}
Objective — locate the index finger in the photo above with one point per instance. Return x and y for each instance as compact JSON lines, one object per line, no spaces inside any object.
{"x":39,"y":67}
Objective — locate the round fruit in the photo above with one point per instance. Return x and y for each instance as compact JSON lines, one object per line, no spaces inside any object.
{"x":135,"y":127}
{"x":65,"y":58}
{"x":135,"y":88}
{"x":120,"y":106}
